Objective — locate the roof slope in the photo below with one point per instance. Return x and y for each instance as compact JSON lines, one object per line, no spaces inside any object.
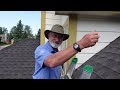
{"x":106,"y":63}
{"x":17,"y":60}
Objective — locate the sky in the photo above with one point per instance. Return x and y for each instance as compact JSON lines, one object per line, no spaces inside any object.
{"x":8,"y":19}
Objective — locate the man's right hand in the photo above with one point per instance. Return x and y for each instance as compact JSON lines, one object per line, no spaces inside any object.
{"x":89,"y":40}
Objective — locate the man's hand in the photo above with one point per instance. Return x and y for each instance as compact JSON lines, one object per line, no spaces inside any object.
{"x":89,"y":40}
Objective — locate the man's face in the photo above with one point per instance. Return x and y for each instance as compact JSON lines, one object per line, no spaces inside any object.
{"x":55,"y":39}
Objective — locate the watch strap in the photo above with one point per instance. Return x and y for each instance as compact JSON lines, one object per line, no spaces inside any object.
{"x":76,"y":48}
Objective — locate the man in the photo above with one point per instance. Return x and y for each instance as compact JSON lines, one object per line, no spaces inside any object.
{"x":49,"y":59}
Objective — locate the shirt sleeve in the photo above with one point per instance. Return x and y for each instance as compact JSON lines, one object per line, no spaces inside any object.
{"x":40,"y":56}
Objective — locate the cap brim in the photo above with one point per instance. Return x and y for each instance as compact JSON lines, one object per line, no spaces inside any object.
{"x":66,"y":36}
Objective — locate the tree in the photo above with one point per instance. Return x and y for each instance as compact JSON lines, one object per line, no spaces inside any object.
{"x":20,"y":32}
{"x":24,"y":35}
{"x":0,"y":39}
{"x":28,"y":31}
{"x":38,"y":34}
{"x":12,"y":32}
{"x":16,"y":32}
{"x":3,"y":30}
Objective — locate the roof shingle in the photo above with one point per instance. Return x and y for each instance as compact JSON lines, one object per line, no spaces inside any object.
{"x":17,"y":60}
{"x":106,"y":63}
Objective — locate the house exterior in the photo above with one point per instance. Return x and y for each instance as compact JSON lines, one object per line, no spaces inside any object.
{"x":3,"y":37}
{"x":79,"y":23}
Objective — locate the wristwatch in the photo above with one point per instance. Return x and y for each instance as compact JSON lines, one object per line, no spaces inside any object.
{"x":76,"y":47}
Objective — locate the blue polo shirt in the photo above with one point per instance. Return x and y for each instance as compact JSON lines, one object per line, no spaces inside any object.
{"x":40,"y":72}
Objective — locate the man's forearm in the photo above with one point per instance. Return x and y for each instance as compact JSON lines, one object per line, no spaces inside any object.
{"x":60,"y":57}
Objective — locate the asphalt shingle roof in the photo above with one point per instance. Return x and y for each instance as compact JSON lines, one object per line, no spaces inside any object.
{"x":17,"y":61}
{"x":106,"y":63}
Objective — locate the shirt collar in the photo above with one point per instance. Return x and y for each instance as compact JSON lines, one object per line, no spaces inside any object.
{"x":52,"y":50}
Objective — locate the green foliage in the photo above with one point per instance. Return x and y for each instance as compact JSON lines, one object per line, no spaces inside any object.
{"x":38,"y":34}
{"x":20,"y":32}
{"x":2,"y":43}
{"x":28,"y":31}
{"x":0,"y":40}
{"x":3,"y":30}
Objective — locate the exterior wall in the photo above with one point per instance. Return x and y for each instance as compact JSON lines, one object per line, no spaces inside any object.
{"x":48,"y":20}
{"x":108,"y":30}
{"x":72,"y":32}
{"x":77,"y":26}
{"x":51,"y":19}
{"x":65,"y":23}
{"x":3,"y":37}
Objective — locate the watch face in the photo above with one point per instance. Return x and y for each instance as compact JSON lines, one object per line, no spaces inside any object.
{"x":76,"y":46}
